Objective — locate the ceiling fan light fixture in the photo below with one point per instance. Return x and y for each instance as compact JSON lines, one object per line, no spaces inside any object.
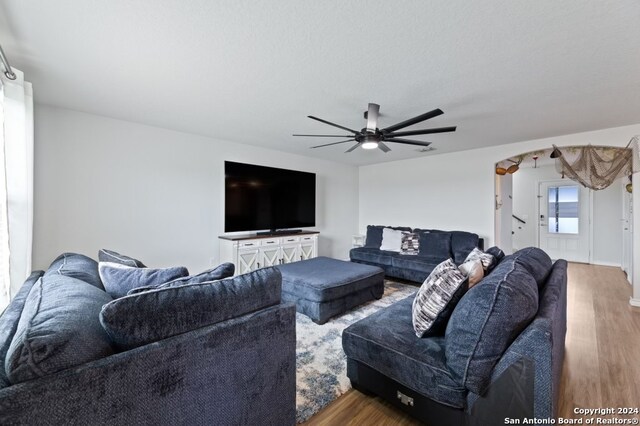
{"x":369,"y":145}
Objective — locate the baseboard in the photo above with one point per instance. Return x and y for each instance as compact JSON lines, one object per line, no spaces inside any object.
{"x":634,"y":302}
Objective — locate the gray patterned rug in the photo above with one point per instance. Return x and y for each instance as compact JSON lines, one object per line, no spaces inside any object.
{"x":321,"y":365}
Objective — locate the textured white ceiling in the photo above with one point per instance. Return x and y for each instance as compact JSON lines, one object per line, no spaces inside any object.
{"x":250,"y":71}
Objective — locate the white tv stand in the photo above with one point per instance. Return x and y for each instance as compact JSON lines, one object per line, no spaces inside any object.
{"x":250,"y":252}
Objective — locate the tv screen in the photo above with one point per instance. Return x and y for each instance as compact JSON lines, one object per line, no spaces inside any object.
{"x":267,"y":198}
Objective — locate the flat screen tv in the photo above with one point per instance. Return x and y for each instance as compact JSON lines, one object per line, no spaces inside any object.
{"x":267,"y":198}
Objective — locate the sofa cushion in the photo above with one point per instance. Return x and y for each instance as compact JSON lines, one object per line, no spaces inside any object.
{"x":374,"y":237}
{"x":536,"y":261}
{"x":436,"y":299}
{"x":154,"y":315}
{"x":105,"y":255}
{"x":9,"y":322}
{"x":485,"y":322}
{"x":391,"y":240}
{"x":370,"y":255}
{"x":58,"y":329}
{"x":436,"y":245}
{"x":385,"y":341}
{"x":220,"y":272}
{"x":77,"y":266}
{"x":415,"y":263}
{"x":461,"y":245}
{"x":119,"y":279}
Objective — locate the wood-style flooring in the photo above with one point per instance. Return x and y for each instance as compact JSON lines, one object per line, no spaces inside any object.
{"x":602,"y":358}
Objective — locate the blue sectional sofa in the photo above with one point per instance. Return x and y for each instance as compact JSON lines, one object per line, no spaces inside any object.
{"x":500,"y":357}
{"x":435,"y":246}
{"x":211,"y":353}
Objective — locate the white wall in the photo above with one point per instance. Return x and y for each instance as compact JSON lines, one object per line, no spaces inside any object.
{"x":157,"y":194}
{"x":607,"y":225}
{"x":607,"y":214}
{"x":455,"y":190}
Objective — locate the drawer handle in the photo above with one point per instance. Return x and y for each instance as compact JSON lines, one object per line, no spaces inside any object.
{"x":248,"y":244}
{"x":270,"y":242}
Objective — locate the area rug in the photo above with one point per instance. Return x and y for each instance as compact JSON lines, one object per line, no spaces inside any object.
{"x":321,"y":365}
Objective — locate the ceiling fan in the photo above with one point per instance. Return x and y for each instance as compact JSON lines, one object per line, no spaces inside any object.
{"x":371,"y":137}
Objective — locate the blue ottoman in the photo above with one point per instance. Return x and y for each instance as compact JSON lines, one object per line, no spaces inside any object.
{"x":323,"y":287}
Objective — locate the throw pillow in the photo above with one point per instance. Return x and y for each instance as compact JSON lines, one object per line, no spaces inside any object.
{"x":119,"y":279}
{"x":473,"y":270}
{"x":221,"y":272}
{"x":391,"y":240}
{"x":410,"y":243}
{"x":437,"y":298}
{"x":485,"y":258}
{"x":105,"y":255}
{"x":151,"y":316}
{"x":58,"y":329}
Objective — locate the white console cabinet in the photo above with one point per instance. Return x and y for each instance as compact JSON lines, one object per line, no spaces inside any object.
{"x":251,"y":252}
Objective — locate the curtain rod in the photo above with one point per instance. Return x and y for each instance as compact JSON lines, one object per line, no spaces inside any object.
{"x":8,"y":71}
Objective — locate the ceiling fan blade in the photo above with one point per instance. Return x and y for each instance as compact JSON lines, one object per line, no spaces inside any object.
{"x":334,"y":143}
{"x":383,"y":147}
{"x":353,"y":147}
{"x":407,"y":141}
{"x":332,"y":124}
{"x":324,"y":136}
{"x":410,"y":122}
{"x":372,"y":117}
{"x":422,"y":132}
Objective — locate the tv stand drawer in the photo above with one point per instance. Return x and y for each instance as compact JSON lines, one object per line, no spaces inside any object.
{"x":270,"y":242}
{"x":250,"y":243}
{"x":288,"y":240}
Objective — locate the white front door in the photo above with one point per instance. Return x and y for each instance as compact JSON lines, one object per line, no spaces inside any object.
{"x":563,"y":214}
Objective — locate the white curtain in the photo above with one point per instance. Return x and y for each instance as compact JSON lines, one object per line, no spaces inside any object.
{"x":16,"y":184}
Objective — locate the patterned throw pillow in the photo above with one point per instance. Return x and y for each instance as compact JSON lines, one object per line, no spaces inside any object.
{"x":410,"y":243}
{"x":436,"y":299}
{"x":485,"y":258}
{"x":473,"y":270}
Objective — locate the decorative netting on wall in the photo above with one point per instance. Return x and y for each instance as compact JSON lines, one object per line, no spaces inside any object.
{"x":597,"y":167}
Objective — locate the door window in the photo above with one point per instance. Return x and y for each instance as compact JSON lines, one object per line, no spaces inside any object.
{"x":564,"y":209}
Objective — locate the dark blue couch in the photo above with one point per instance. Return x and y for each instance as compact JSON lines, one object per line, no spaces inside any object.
{"x":513,"y":371}
{"x":216,"y":364}
{"x":435,"y":246}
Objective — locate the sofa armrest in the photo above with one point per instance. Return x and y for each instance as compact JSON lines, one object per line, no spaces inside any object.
{"x":240,"y":371}
{"x":521,"y":382}
{"x":527,"y":377}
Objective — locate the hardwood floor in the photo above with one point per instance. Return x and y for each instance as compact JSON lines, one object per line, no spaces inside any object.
{"x":601,"y":366}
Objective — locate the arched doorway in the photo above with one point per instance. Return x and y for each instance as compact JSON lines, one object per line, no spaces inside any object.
{"x":537,"y":205}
